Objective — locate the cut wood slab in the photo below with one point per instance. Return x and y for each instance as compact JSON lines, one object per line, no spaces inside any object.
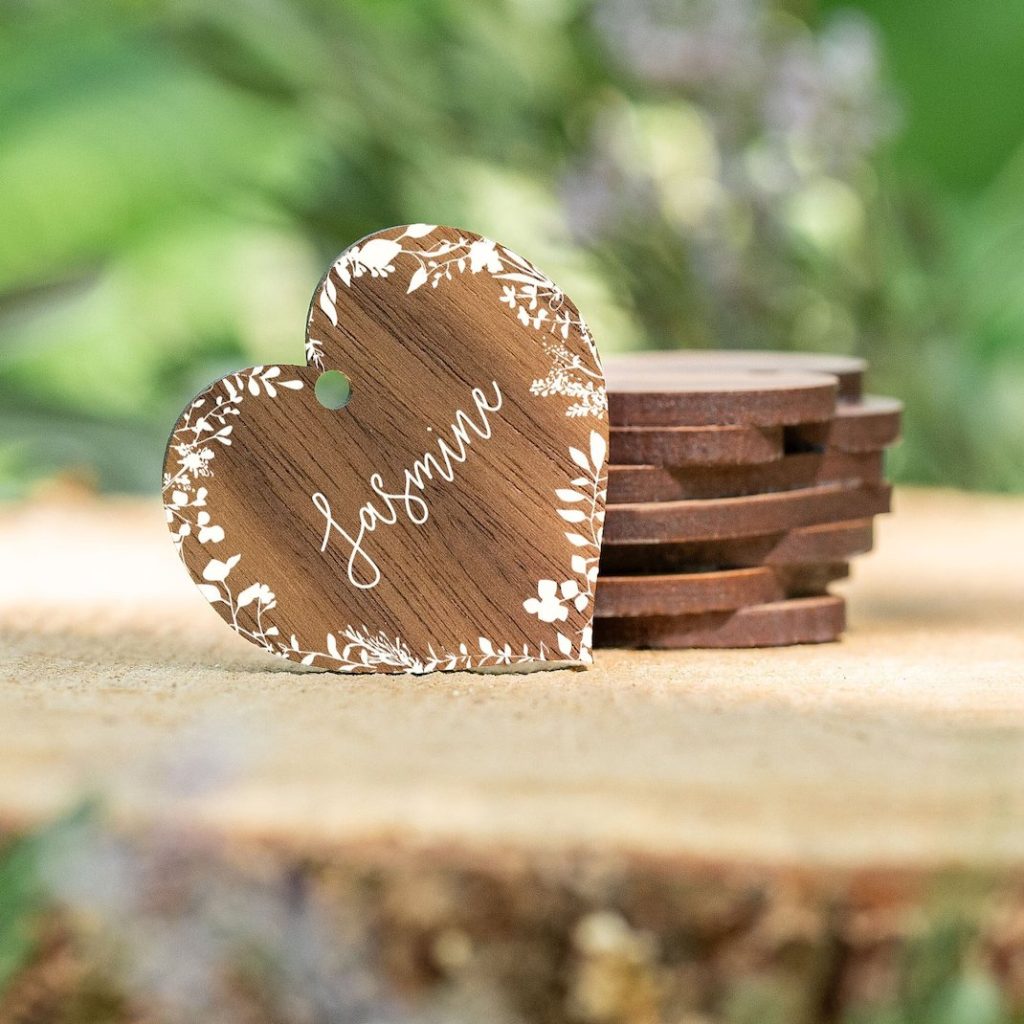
{"x":769,"y":835}
{"x":751,"y":516}
{"x":687,"y":593}
{"x":806,"y":620}
{"x":848,"y":370}
{"x":901,"y":745}
{"x":633,"y":483}
{"x":859,"y":427}
{"x":810,"y":580}
{"x":862,"y":428}
{"x":696,"y":446}
{"x":829,"y":542}
{"x":683,"y":593}
{"x":658,"y":398}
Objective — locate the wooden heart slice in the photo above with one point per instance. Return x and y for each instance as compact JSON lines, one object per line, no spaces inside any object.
{"x":829,"y":542}
{"x":696,"y":446}
{"x":859,"y":427}
{"x":848,"y":370}
{"x":681,"y":521}
{"x":810,"y":580}
{"x":806,"y":620}
{"x":805,"y":469}
{"x":660,"y":398}
{"x":450,"y":516}
{"x":683,"y":593}
{"x":688,"y":593}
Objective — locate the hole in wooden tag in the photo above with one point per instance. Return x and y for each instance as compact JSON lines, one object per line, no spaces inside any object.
{"x":333,"y":389}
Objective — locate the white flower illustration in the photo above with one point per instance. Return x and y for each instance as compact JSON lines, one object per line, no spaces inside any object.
{"x":539,"y":305}
{"x":258,"y":592}
{"x":484,"y":256}
{"x":205,"y":426}
{"x":315,"y":353}
{"x":360,"y":649}
{"x":208,"y":532}
{"x":535,"y":300}
{"x":547,"y":606}
{"x":195,"y":461}
{"x":216,"y":571}
{"x":373,"y":257}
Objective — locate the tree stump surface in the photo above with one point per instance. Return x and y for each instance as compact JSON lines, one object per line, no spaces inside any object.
{"x":900,"y":747}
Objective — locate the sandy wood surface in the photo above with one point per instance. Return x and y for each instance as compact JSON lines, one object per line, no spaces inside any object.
{"x":904,"y":744}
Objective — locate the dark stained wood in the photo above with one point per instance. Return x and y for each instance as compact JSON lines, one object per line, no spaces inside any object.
{"x":861,"y":427}
{"x":849,"y":371}
{"x":750,"y":516}
{"x":696,"y":446}
{"x":700,"y":490}
{"x":804,"y":469}
{"x":686,"y":592}
{"x":807,"y":620}
{"x":471,"y":562}
{"x":855,"y":428}
{"x":712,"y":590}
{"x":811,"y":580}
{"x":829,"y":542}
{"x":664,"y":397}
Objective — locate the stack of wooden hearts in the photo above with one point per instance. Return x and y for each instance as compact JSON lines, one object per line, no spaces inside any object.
{"x":741,"y":485}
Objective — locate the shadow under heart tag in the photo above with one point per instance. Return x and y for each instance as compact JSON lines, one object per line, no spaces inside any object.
{"x":450,"y":515}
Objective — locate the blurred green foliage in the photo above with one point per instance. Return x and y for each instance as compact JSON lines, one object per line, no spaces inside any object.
{"x":737,"y":173}
{"x":173,"y":921}
{"x":23,"y":889}
{"x":190,"y":928}
{"x":20,"y":905}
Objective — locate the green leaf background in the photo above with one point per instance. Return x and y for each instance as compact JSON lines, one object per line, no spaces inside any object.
{"x":175,"y":176}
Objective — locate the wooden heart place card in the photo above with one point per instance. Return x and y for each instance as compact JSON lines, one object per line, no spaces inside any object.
{"x":428,"y":492}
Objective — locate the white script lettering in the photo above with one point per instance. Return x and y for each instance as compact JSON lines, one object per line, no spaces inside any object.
{"x":440,"y":464}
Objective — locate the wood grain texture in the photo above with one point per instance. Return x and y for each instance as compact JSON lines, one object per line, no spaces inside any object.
{"x":678,"y":483}
{"x":901,"y":746}
{"x":810,"y":580}
{"x":750,"y":516}
{"x":828,"y":542}
{"x":808,"y":810}
{"x":854,"y":428}
{"x":807,"y":620}
{"x":863,"y":426}
{"x":419,"y":527}
{"x":712,"y":590}
{"x":849,"y":371}
{"x":697,"y":447}
{"x":668,"y":397}
{"x":681,"y":593}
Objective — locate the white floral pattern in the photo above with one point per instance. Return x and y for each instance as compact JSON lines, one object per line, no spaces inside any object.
{"x":363,"y":650}
{"x":206,"y":425}
{"x":538,"y":304}
{"x":315,"y":353}
{"x":583,"y":510}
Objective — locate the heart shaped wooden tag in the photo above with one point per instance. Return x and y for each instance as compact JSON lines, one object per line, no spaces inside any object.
{"x":450,"y":515}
